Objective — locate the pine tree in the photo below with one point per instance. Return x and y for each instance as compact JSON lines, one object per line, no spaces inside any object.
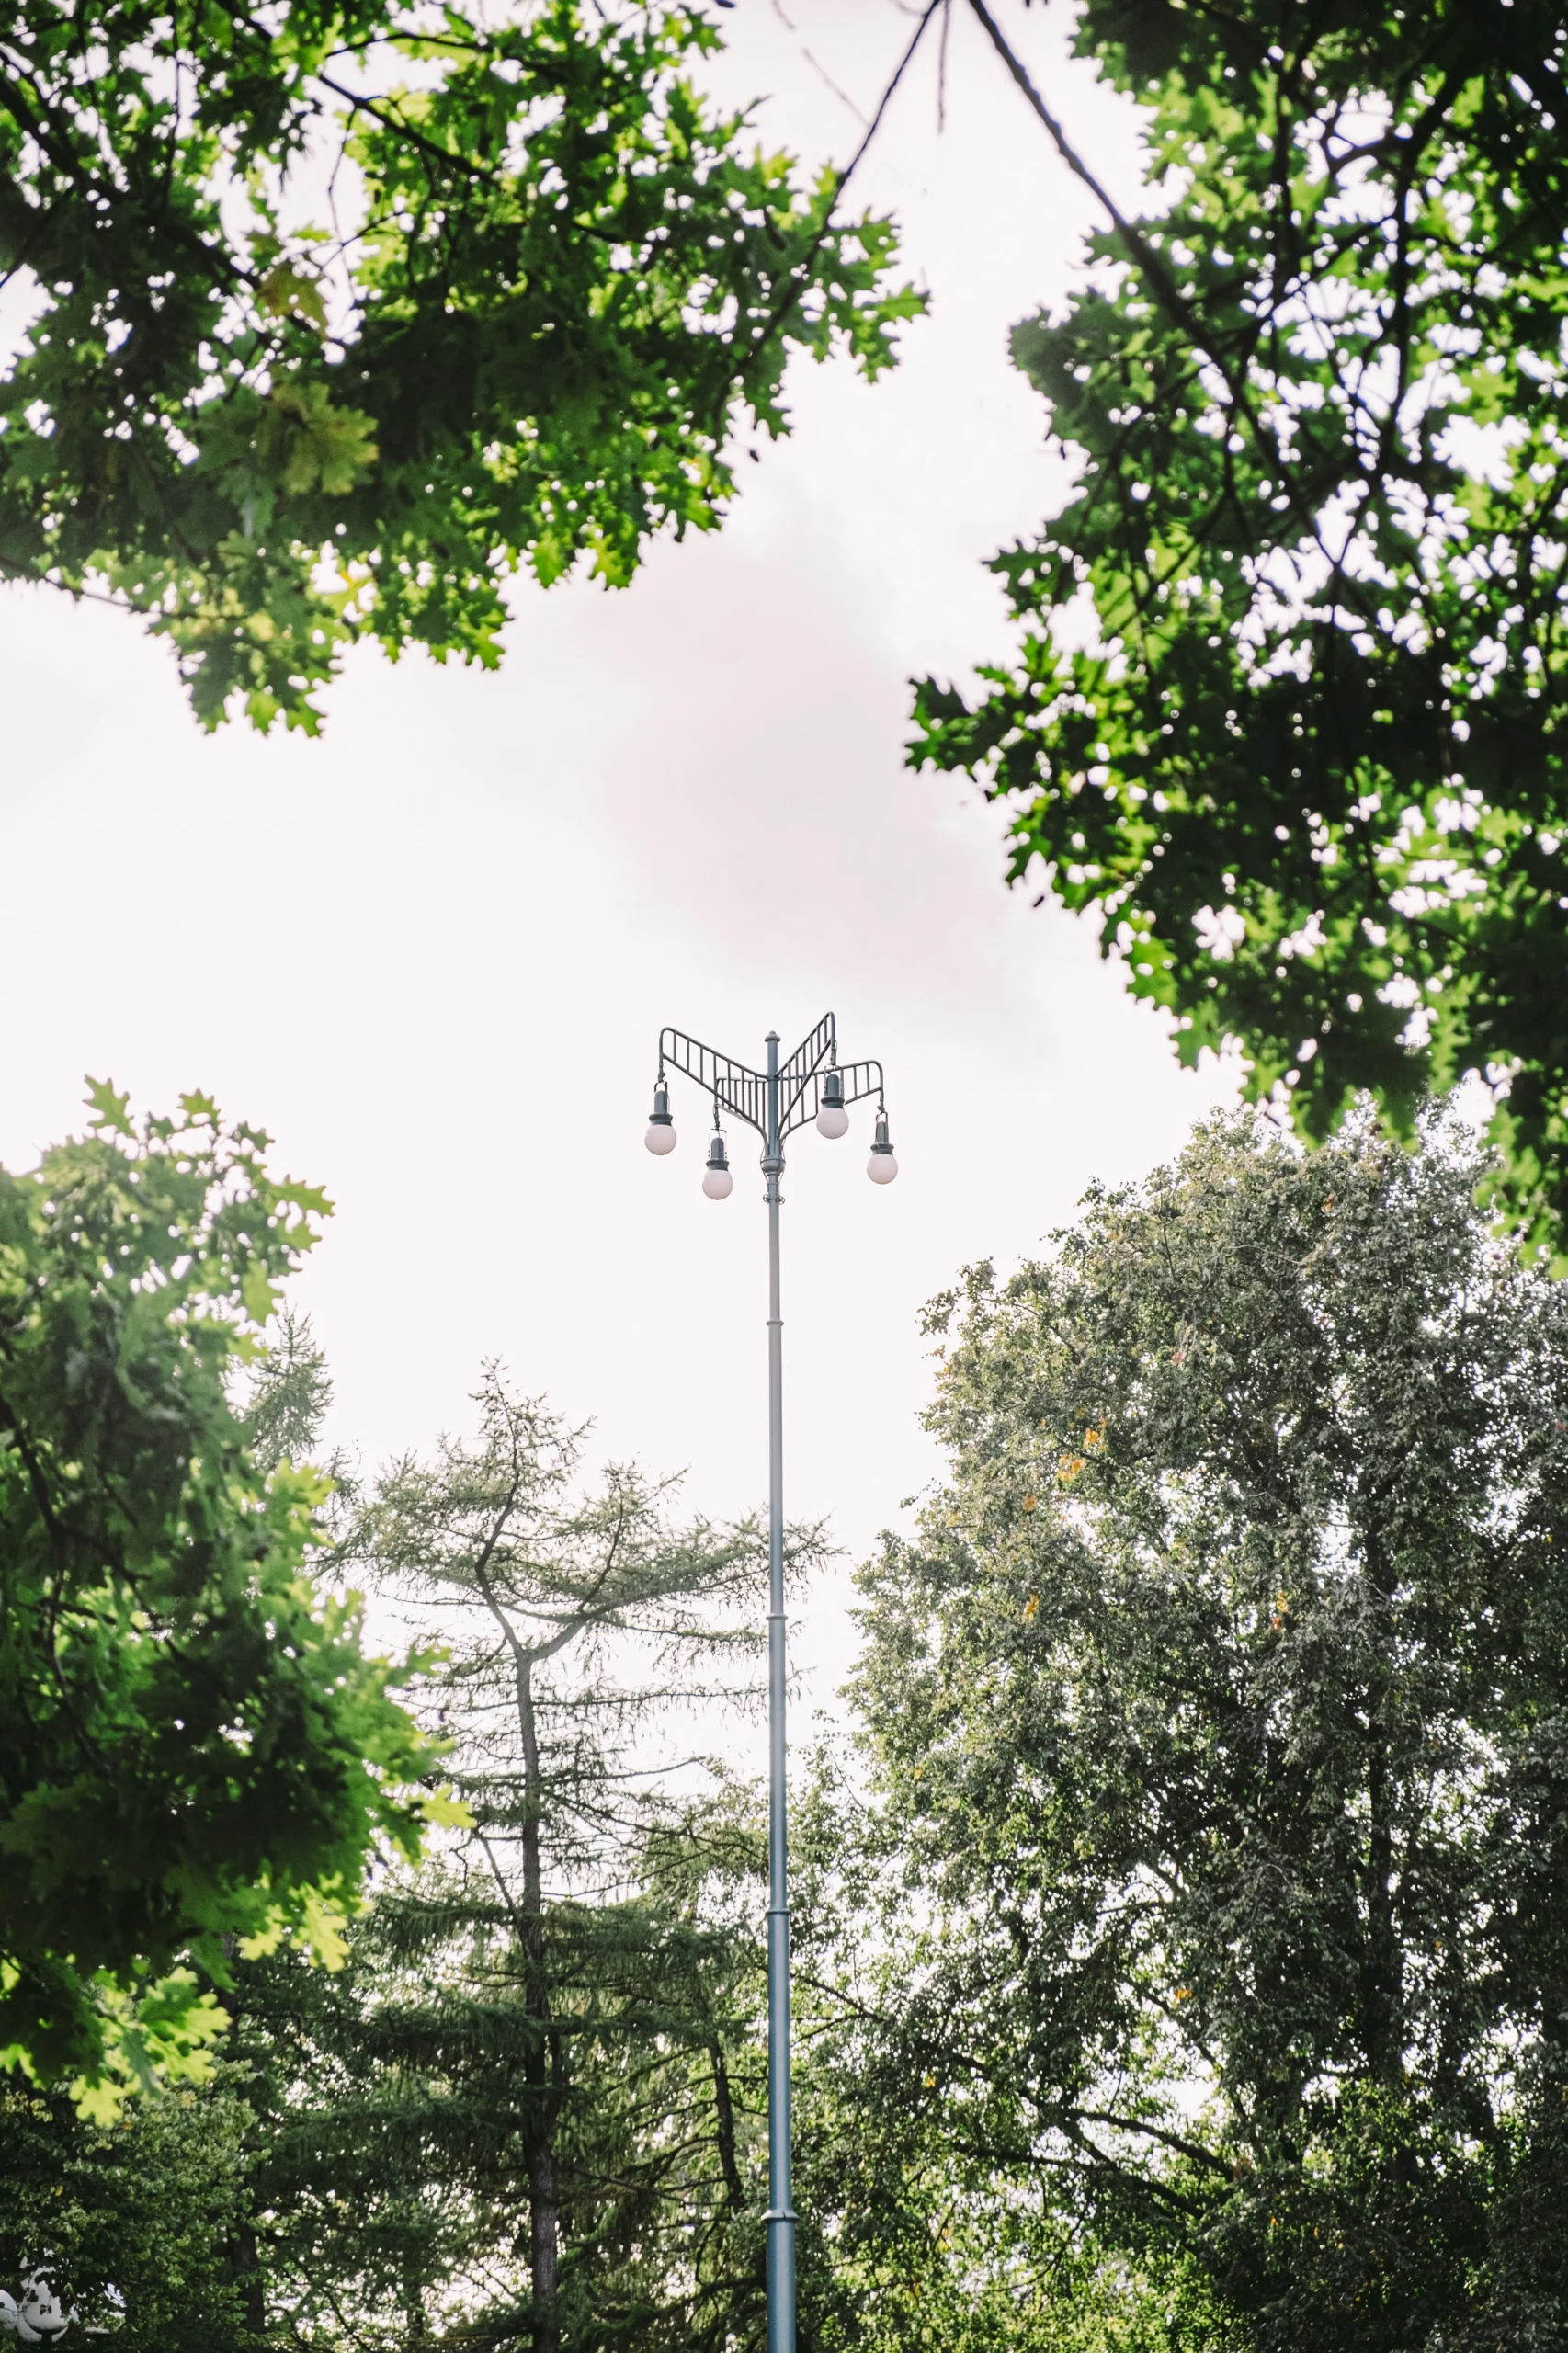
{"x":527,"y":2106}
{"x":531,"y":2107}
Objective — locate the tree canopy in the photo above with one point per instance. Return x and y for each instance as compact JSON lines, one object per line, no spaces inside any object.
{"x":1219,"y":1716}
{"x":1184,"y":1968}
{"x":341,"y":312}
{"x":569,"y":2009}
{"x":195,"y":1748}
{"x":529,"y":2108}
{"x":1284,"y":713}
{"x":133,"y":2220}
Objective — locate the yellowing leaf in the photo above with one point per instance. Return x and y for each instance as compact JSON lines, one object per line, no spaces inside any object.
{"x":266,"y":1941}
{"x":287,"y":291}
{"x":440,"y":1806}
{"x":325,"y":1927}
{"x":99,"y":2103}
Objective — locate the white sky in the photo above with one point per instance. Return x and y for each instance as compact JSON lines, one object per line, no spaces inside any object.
{"x":432,"y":951}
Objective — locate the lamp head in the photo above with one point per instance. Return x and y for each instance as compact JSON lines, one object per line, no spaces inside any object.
{"x":661,"y":1135}
{"x":833,"y":1119}
{"x":882,"y":1168}
{"x":40,"y":2317}
{"x":717,"y":1181}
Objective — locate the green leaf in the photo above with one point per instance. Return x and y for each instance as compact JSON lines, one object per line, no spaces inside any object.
{"x":558,"y":283}
{"x":1307,"y":774}
{"x":193,"y":1743}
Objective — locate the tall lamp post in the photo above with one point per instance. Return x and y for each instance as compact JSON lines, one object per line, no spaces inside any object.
{"x":809,"y":1085}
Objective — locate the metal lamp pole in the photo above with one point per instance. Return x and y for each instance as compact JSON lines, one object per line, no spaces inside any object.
{"x":809,"y":1085}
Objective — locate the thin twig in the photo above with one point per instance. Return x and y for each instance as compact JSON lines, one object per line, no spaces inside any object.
{"x":942,"y":68}
{"x":770,"y":326}
{"x":1343,"y":585}
{"x":816,"y":65}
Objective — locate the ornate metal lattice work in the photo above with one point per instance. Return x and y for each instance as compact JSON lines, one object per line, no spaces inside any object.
{"x":742,"y":1091}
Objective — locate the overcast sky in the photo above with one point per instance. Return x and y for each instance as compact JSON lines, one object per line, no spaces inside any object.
{"x":431,"y":952}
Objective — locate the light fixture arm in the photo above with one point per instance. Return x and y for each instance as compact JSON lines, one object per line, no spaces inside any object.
{"x":745,"y":1093}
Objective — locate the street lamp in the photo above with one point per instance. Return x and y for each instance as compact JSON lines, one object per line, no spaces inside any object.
{"x":39,"y":2318}
{"x":775,"y":1101}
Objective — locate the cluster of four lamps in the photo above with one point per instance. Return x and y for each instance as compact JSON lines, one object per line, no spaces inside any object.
{"x":832,"y":1121}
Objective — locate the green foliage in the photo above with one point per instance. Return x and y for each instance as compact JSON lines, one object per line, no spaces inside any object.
{"x":1285,"y":709}
{"x":914,"y":2239}
{"x":1194,"y":1978}
{"x":399,"y":2109}
{"x":550,"y":284}
{"x":289,"y":1396}
{"x":544,"y":2046}
{"x":1218,"y":1713}
{"x":136,"y":2218}
{"x":530,"y":2105}
{"x":193,"y":1745}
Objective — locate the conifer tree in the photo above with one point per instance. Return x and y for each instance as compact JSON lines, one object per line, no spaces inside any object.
{"x":531,"y":2107}
{"x":527,"y":2104}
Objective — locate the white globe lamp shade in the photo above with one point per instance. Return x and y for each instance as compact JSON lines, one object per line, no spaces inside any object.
{"x":661,"y":1135}
{"x":882,"y":1168}
{"x":41,"y":2318}
{"x":717,"y":1181}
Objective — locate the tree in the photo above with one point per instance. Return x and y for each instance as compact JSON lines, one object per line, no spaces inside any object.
{"x":289,"y":1395}
{"x":194,"y":1746}
{"x":134,"y":2218}
{"x":1286,"y":710}
{"x":528,"y":2103}
{"x":530,"y":2106}
{"x":344,"y":312}
{"x":914,"y":2238}
{"x":393,"y":2146}
{"x":1219,"y":1717}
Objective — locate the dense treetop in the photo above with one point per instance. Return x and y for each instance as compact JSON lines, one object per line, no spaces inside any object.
{"x":195,"y":1748}
{"x":1286,"y":714}
{"x":1219,"y":1713}
{"x":345,"y":310}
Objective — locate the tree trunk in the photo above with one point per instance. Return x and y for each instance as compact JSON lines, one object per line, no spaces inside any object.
{"x":414,"y":2299}
{"x":242,"y":2251}
{"x":244,"y":2261}
{"x":544,"y":2243}
{"x":724,"y":2116}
